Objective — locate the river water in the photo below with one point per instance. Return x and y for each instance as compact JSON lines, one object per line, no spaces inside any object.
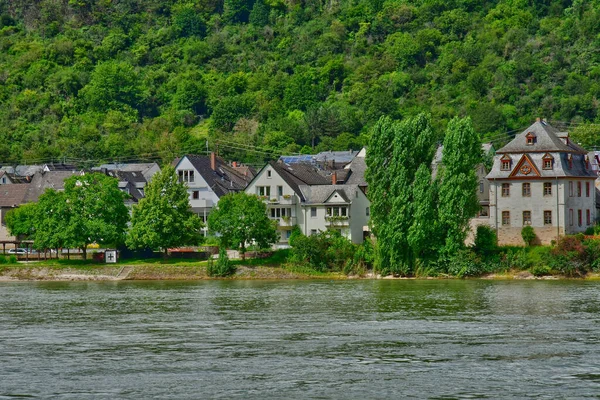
{"x":300,"y":339}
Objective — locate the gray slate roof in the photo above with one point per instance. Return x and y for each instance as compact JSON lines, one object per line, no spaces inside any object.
{"x":13,"y":195}
{"x":548,"y":139}
{"x":320,"y":194}
{"x":47,"y":180}
{"x":358,"y":166}
{"x":225,"y":179}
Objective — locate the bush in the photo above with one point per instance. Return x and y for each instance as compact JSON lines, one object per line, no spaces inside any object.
{"x":528,"y":235}
{"x":516,"y":259}
{"x":12,"y":259}
{"x":570,"y":257}
{"x":222,"y":267}
{"x":327,"y":250}
{"x":486,"y":240}
{"x":3,"y":260}
{"x":363,"y":259}
{"x":465,"y":263}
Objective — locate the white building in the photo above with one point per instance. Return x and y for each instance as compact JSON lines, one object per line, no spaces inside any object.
{"x":544,"y":180}
{"x":314,"y":199}
{"x":208,"y":178}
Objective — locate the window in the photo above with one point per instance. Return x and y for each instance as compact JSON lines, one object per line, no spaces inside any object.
{"x":480,"y":186}
{"x":588,"y":217}
{"x":547,"y":161}
{"x":587,"y":162}
{"x":570,"y":160}
{"x":313,"y":232}
{"x":571,"y":216}
{"x":579,"y":218}
{"x":570,"y":189}
{"x":506,"y":218}
{"x":505,"y":189}
{"x":313,"y":212}
{"x":547,"y":217}
{"x":527,"y":190}
{"x":578,"y":189}
{"x":337,"y":211}
{"x":279,"y":191}
{"x":264,"y":190}
{"x":368,"y":211}
{"x":269,"y":173}
{"x":278,"y":212}
{"x":526,"y":218}
{"x":530,"y":138}
{"x":547,"y":188}
{"x":186,"y":175}
{"x":505,"y":166}
{"x":587,"y":189}
{"x":195,"y":195}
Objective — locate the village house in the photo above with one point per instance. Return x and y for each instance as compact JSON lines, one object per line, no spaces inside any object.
{"x":314,"y":199}
{"x":208,"y":178}
{"x":544,"y":180}
{"x":132,"y":178}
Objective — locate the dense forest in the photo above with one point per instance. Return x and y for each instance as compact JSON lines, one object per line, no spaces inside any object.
{"x":94,"y":80}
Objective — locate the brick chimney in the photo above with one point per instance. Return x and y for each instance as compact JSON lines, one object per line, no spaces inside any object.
{"x":234,"y":164}
{"x":213,"y":161}
{"x":538,"y":119}
{"x":334,"y":178}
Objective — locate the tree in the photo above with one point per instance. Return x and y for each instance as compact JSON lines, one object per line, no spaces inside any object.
{"x":458,"y":201}
{"x":242,"y":219}
{"x":21,"y":221}
{"x":94,"y":211}
{"x":50,"y":221}
{"x":398,"y":150}
{"x":164,"y":218}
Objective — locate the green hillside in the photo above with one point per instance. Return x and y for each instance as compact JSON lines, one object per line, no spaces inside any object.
{"x":92,"y":80}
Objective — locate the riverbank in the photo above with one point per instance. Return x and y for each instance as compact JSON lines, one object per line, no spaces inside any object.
{"x":197,"y":271}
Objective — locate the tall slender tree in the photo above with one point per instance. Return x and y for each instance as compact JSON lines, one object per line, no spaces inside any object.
{"x":458,"y":187}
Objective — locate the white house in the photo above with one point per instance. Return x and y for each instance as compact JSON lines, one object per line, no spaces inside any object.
{"x":313,"y":199}
{"x":542,"y":179}
{"x":208,"y":178}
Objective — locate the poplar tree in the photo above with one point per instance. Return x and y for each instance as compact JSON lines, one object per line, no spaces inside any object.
{"x":396,"y":152}
{"x":458,"y":201}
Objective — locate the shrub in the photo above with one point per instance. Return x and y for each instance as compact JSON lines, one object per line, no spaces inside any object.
{"x":540,"y":270}
{"x":222,"y":267}
{"x":516,"y":259}
{"x":528,"y":235}
{"x":569,"y":257}
{"x":363,"y":259}
{"x":327,"y":250}
{"x":465,"y":263}
{"x":3,"y":260}
{"x":486,"y":240}
{"x":12,"y":259}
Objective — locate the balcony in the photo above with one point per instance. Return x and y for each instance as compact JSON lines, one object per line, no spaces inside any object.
{"x":285,"y":200}
{"x":337,"y":220}
{"x":285,"y":223}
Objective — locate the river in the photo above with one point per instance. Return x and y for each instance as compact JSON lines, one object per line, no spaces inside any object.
{"x":300,"y":339}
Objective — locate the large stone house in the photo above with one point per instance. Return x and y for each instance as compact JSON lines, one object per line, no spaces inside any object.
{"x":208,"y":178}
{"x":314,"y":199}
{"x":544,"y":180}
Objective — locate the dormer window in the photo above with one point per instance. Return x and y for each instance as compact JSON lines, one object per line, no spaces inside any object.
{"x":570,"y":161}
{"x":547,"y":161}
{"x":530,"y":138}
{"x":587,"y":162}
{"x":505,"y":163}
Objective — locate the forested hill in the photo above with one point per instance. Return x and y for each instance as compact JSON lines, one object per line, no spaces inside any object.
{"x":124,"y":79}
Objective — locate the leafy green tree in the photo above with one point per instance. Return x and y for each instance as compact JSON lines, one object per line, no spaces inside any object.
{"x":164,"y":218}
{"x":486,"y":240}
{"x":113,"y":86}
{"x":50,"y":221}
{"x":187,"y":21}
{"x":95,"y":212}
{"x":222,"y":267}
{"x":458,"y":201}
{"x":528,"y":234}
{"x":241,"y":219}
{"x":21,"y":221}
{"x":397,"y":150}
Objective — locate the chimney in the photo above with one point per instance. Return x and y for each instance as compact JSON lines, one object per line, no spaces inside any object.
{"x":213,"y":161}
{"x":538,"y":119}
{"x":234,"y":164}
{"x":334,"y":178}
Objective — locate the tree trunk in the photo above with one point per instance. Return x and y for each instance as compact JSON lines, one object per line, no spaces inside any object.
{"x":166,"y":253}
{"x":243,"y":255}
{"x":84,"y":249}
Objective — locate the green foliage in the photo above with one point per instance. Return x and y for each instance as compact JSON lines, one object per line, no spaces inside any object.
{"x":12,"y":259}
{"x":163,"y":218}
{"x":241,"y":218}
{"x":486,"y":240}
{"x":67,"y":63}
{"x":465,"y":263}
{"x":325,"y":251}
{"x":223,"y":267}
{"x":20,"y":221}
{"x":528,"y":234}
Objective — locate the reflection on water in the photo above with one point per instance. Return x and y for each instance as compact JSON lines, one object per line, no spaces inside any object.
{"x":350,"y":339}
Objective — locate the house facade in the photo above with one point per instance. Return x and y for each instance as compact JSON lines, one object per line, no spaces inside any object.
{"x":543,"y":180}
{"x":208,"y":178}
{"x":301,"y":194}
